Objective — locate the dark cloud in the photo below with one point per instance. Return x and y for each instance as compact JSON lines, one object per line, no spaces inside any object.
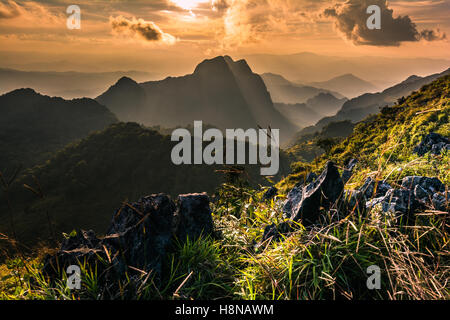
{"x":9,"y":10}
{"x":139,"y":28}
{"x":351,"y":21}
{"x":220,"y":5}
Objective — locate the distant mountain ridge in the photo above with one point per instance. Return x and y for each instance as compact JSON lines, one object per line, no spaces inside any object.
{"x":305,"y":67}
{"x":68,"y":85}
{"x":285,"y":91}
{"x":33,"y":126}
{"x":359,"y":108}
{"x":220,"y":92}
{"x":347,"y":85}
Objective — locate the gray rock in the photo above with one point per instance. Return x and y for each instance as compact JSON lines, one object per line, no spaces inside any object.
{"x":433,"y":143}
{"x":400,"y":201}
{"x":441,"y":201}
{"x":430,"y":185}
{"x":139,"y":236}
{"x":193,"y":217}
{"x":375,"y":189}
{"x":311,"y":177}
{"x":293,"y":200}
{"x":421,"y":194}
{"x":348,"y":170}
{"x":323,"y":192}
{"x":304,"y":202}
{"x":373,"y":202}
{"x":83,"y":247}
{"x":142,"y":232}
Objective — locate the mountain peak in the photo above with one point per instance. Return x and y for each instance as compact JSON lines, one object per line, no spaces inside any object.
{"x":126,"y":81}
{"x":217,"y":64}
{"x":23,"y":92}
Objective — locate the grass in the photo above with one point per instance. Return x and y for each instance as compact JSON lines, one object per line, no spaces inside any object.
{"x":329,"y":261}
{"x":326,"y":262}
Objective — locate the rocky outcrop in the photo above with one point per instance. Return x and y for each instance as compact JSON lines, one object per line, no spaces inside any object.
{"x":375,"y":189}
{"x":304,"y":202}
{"x":417,"y":192}
{"x":138,"y":239}
{"x":434,"y":143}
{"x":348,"y":170}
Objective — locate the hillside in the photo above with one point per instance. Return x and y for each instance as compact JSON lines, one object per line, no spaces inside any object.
{"x":381,"y":205}
{"x":218,"y":89}
{"x":285,"y":91}
{"x":87,"y":180}
{"x":347,"y":84}
{"x":386,"y":141}
{"x":307,"y":114}
{"x":33,"y":126}
{"x":371,"y":103}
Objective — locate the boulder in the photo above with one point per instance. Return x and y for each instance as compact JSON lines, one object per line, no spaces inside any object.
{"x":400,"y":201}
{"x":348,"y":170}
{"x":142,"y":232}
{"x":375,"y":189}
{"x":294,"y":197}
{"x":293,"y":200}
{"x":193,"y":217}
{"x":429,"y":185}
{"x":433,"y":143}
{"x":323,"y":192}
{"x":441,"y":201}
{"x":139,"y":237}
{"x":80,"y":248}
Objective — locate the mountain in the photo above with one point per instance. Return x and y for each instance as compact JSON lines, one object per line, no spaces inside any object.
{"x":325,"y":103}
{"x":306,"y":67}
{"x":67,"y":85}
{"x":87,"y":180}
{"x":370,"y":103}
{"x":300,"y":113}
{"x":347,"y":84}
{"x":399,"y":129}
{"x":220,"y":92}
{"x":307,"y":114}
{"x":33,"y":126}
{"x":283,"y":91}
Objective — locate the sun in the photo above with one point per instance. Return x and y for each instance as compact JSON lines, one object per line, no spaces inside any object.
{"x":188,"y":4}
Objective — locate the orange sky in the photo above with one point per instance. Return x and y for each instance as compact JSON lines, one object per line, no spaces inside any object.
{"x":121,"y":34}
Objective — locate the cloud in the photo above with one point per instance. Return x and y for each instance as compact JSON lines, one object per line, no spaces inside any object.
{"x":351,"y":18}
{"x":246,"y":22}
{"x":140,"y":29}
{"x":9,"y":10}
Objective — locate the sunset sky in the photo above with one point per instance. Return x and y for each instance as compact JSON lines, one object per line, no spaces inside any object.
{"x":159,"y":35}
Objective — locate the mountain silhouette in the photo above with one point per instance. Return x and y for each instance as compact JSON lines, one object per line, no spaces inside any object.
{"x":370,"y":103}
{"x":285,"y":91}
{"x":68,"y":85}
{"x":32,"y":126}
{"x":221,"y":92}
{"x":347,"y":84}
